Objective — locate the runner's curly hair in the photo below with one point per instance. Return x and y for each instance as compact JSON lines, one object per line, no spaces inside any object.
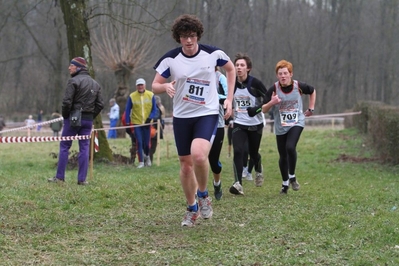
{"x":186,"y":24}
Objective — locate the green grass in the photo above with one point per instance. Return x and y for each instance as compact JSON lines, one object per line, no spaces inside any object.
{"x":342,"y":215}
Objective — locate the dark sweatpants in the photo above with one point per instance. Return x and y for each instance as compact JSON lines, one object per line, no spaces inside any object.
{"x":214,"y":153}
{"x":242,"y":134}
{"x":286,"y":146}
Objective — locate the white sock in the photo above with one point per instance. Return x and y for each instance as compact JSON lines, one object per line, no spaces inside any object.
{"x":216,"y":183}
{"x":286,"y":183}
{"x":291,"y":176}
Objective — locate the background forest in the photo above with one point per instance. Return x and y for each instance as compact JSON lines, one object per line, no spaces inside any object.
{"x":346,"y":49}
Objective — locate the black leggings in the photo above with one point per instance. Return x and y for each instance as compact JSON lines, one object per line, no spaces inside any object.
{"x":247,"y":162}
{"x":286,"y":146}
{"x":214,"y":153}
{"x":240,"y":138}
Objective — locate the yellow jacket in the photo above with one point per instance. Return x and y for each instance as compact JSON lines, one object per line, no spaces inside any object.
{"x":141,"y":107}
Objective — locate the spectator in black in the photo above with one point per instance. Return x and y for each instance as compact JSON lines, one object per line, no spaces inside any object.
{"x":84,"y":93}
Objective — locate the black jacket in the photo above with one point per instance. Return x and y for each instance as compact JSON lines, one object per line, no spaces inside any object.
{"x":82,"y":92}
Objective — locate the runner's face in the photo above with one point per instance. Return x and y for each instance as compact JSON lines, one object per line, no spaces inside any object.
{"x":189,"y":43}
{"x":241,"y":69}
{"x":284,"y":76}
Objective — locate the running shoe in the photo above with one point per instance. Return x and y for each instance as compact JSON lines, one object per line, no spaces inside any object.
{"x":55,"y":180}
{"x":218,"y":191}
{"x":236,"y":189}
{"x":294,"y":184}
{"x":147,"y":160}
{"x":244,"y":172}
{"x":259,"y":177}
{"x":189,"y":218}
{"x":140,"y":165}
{"x":248,"y":177}
{"x":205,"y":207}
{"x":284,"y":190}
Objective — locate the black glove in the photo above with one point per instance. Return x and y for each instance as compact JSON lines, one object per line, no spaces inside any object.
{"x":252,"y":111}
{"x":148,"y":120}
{"x":65,"y":112}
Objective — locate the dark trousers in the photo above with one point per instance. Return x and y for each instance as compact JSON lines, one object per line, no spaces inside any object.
{"x":253,"y":136}
{"x":214,"y":153}
{"x":84,"y":148}
{"x":286,"y":146}
{"x":142,"y":134}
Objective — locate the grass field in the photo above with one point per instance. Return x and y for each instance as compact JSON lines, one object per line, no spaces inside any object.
{"x":344,"y":214}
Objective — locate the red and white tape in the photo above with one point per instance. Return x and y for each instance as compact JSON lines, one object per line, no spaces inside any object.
{"x":96,"y":146}
{"x":41,"y":139}
{"x":34,"y":125}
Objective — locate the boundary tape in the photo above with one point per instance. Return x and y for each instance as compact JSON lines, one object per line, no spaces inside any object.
{"x":41,"y":139}
{"x":33,"y":126}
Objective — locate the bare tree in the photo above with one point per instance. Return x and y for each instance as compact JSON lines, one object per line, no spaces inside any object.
{"x":79,"y":44}
{"x":346,"y":49}
{"x":124,"y":50}
{"x":125,"y":45}
{"x":53,"y":97}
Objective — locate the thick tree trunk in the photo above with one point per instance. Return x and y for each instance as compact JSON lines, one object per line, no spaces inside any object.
{"x":122,"y":75}
{"x":78,"y":35}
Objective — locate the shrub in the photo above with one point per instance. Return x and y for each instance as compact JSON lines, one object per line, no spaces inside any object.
{"x":380,"y":122}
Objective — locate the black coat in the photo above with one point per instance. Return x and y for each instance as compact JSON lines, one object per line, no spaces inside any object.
{"x":82,"y":92}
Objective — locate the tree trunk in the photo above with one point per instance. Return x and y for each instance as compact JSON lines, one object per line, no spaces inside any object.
{"x":122,"y":75}
{"x":78,"y":35}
